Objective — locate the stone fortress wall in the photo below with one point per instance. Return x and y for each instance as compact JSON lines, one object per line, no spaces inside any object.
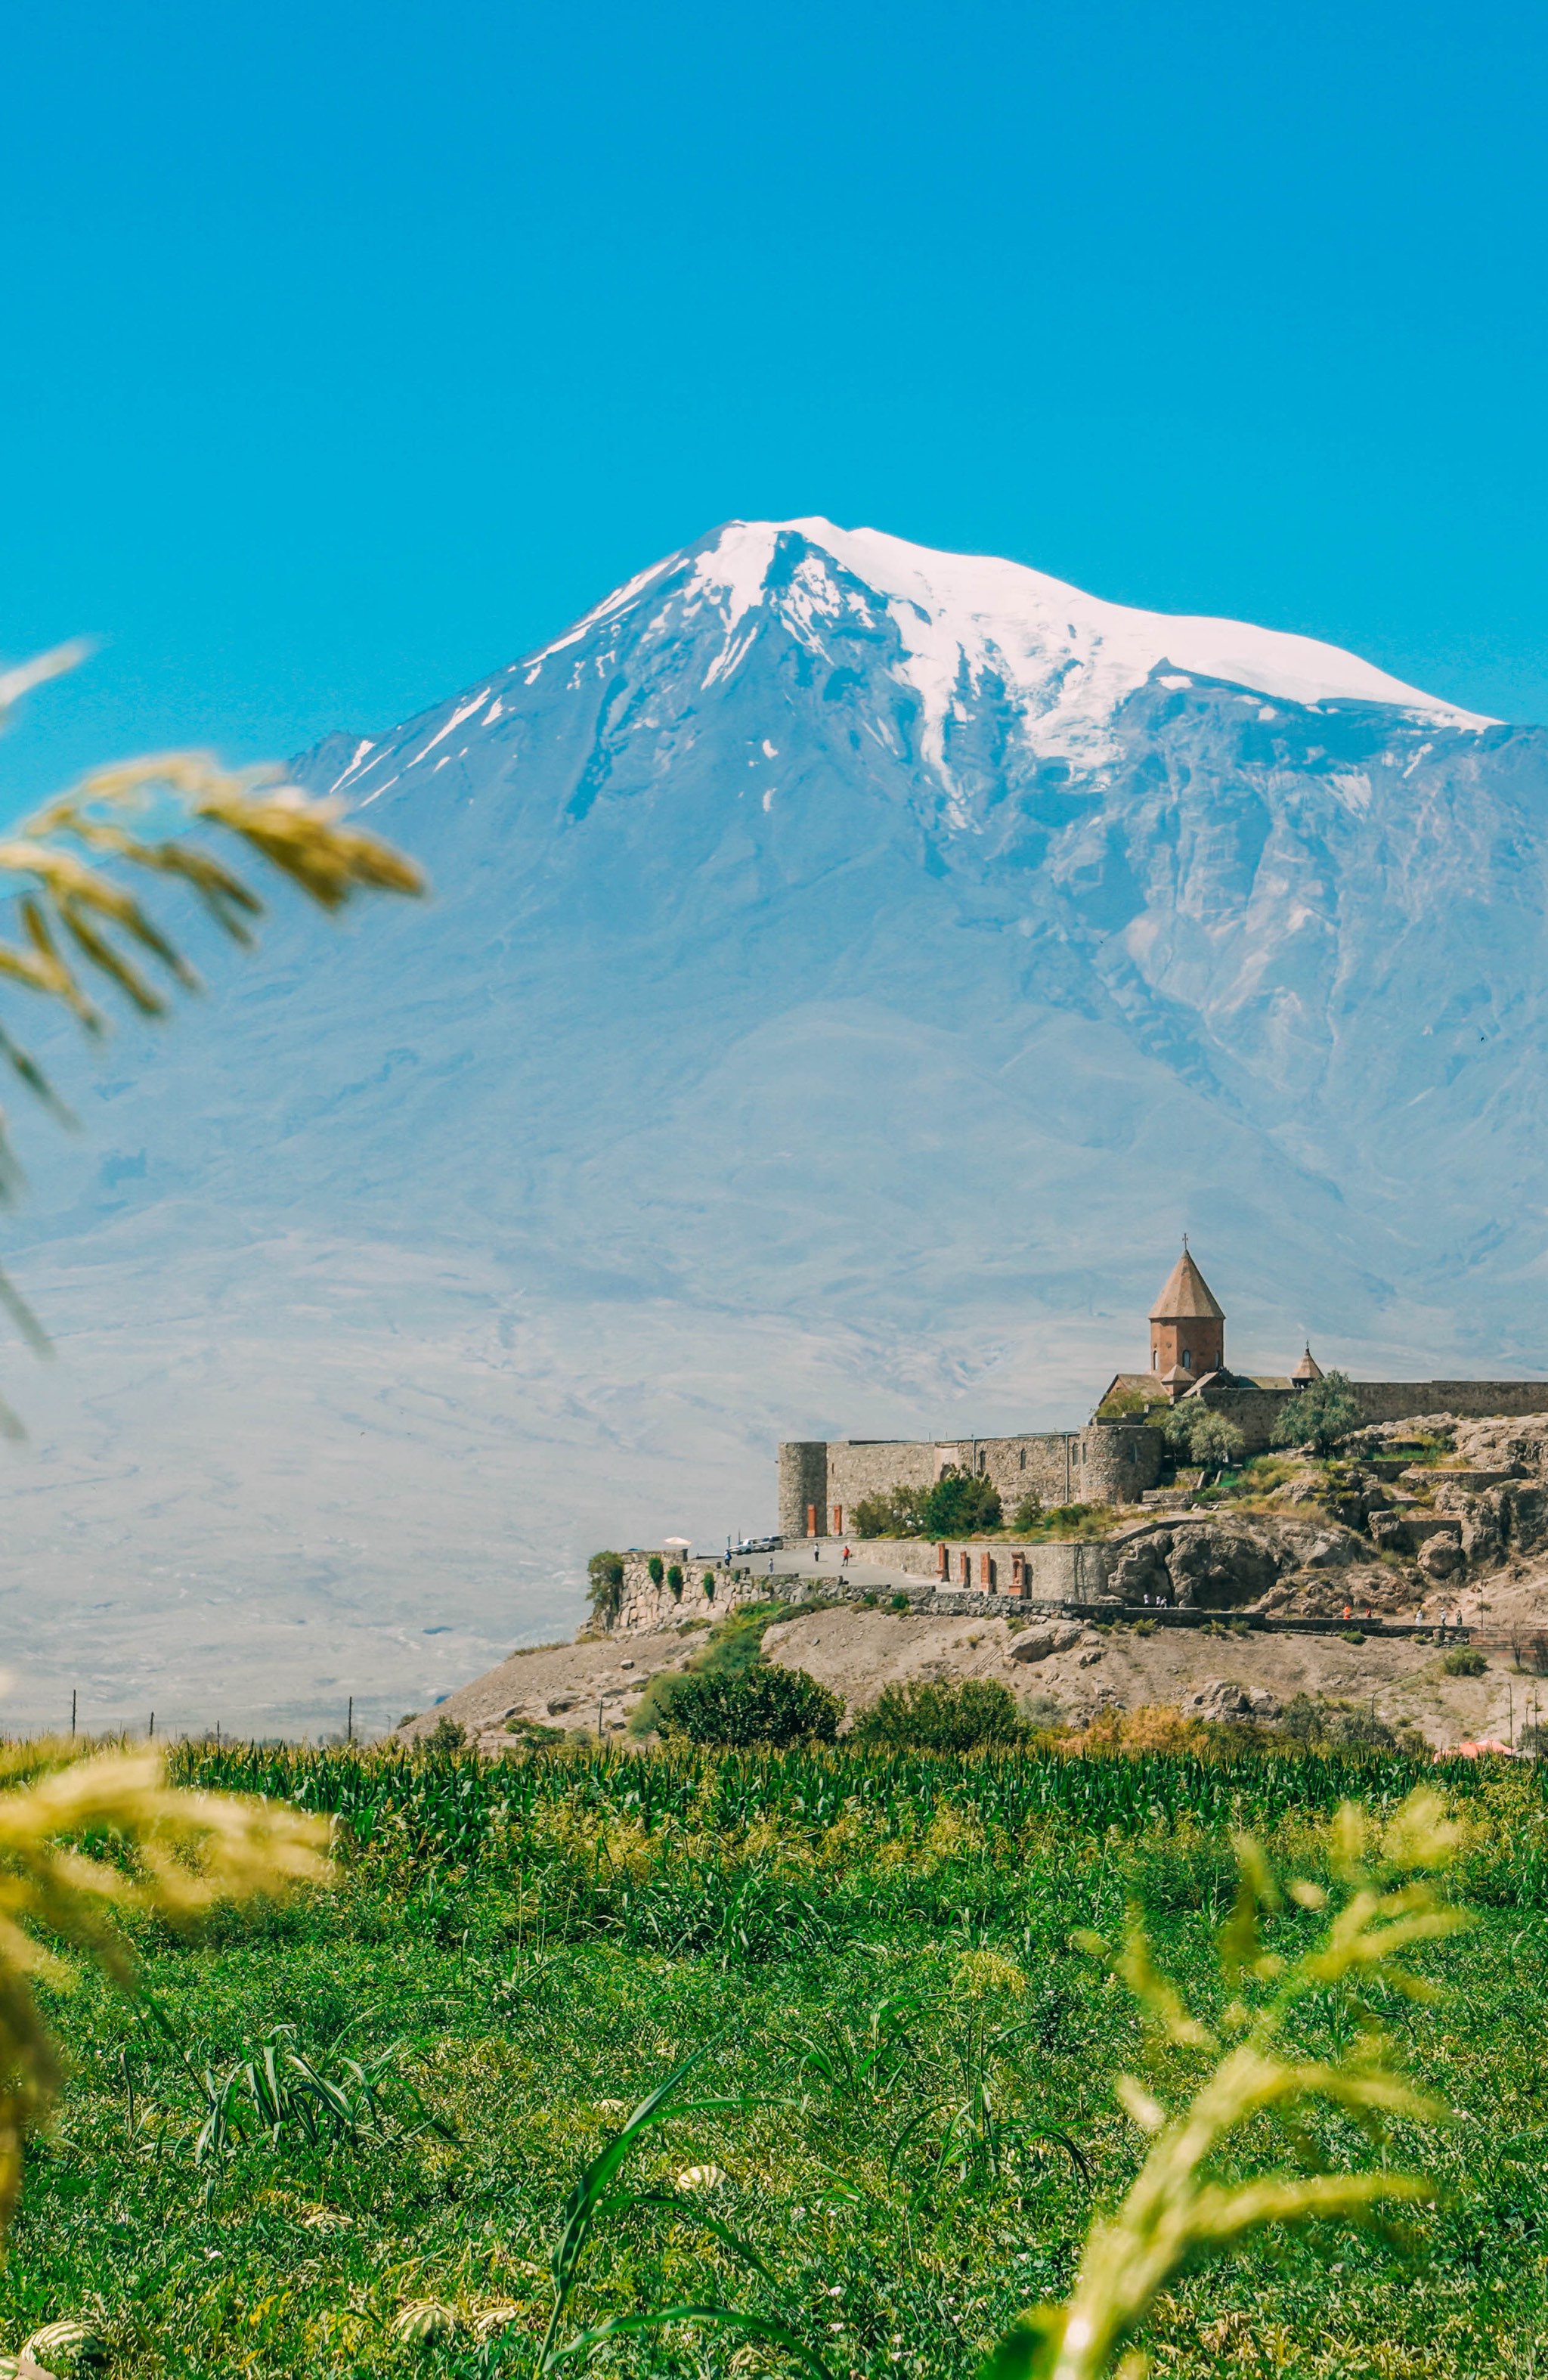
{"x":1255,"y":1411}
{"x":1108,"y":1462}
{"x":822,"y":1482}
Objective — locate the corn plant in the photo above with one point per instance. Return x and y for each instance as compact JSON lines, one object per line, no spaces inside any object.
{"x":1178,"y":2207}
{"x":596,"y":2200}
{"x":976,"y":2127}
{"x":862,"y":2062}
{"x":276,"y":2093}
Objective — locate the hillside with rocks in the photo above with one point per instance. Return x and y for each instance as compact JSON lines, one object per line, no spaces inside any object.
{"x":1453,"y":1546}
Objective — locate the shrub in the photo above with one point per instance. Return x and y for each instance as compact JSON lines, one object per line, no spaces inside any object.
{"x":1065,"y":1521}
{"x":1027,"y":1514}
{"x":1042,"y":1711}
{"x":1466,"y":1662}
{"x":674,"y":1579}
{"x":708,"y":1583}
{"x":446,"y":1736}
{"x":900,"y":1604}
{"x":1353,"y":1727}
{"x":657,"y":1569}
{"x":923,"y":1717}
{"x":533,"y":1733}
{"x":1325,"y":1412}
{"x":960,"y":1504}
{"x":605,"y":1575}
{"x":892,"y":1515}
{"x":763,"y":1705}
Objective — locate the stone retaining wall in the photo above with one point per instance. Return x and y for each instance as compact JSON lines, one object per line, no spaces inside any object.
{"x":927,"y":1602}
{"x":1052,"y":1574}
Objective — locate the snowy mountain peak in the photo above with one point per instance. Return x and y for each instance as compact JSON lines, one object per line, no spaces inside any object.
{"x":1062,"y":660}
{"x":850,"y":967}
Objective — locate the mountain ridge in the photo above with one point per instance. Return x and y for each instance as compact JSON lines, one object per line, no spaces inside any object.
{"x":799,"y":1044}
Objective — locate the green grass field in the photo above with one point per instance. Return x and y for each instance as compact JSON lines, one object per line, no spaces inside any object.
{"x":876,"y":1953}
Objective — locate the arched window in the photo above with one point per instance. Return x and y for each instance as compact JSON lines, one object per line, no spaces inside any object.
{"x":1187,"y":1361}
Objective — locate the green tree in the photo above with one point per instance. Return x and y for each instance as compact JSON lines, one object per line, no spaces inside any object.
{"x":1195,"y":1434}
{"x":1216,"y":1443}
{"x":1326,"y":1411}
{"x":894,"y":1514}
{"x":960,"y":1504}
{"x":765,"y":1704}
{"x":960,"y":1717}
{"x":604,"y":1575}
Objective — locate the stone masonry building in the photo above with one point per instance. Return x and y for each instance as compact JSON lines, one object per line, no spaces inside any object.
{"x":1115,"y":1457}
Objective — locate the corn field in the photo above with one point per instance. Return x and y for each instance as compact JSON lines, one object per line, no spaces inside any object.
{"x":672,"y":2066}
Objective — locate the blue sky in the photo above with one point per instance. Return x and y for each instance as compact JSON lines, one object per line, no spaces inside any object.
{"x":351,"y":351}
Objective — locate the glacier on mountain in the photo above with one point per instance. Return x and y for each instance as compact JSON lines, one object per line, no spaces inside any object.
{"x":851,"y":966}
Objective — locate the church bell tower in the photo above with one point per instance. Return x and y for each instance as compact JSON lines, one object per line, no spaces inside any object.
{"x":1187,"y":1328}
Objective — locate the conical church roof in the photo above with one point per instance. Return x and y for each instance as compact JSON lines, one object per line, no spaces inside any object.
{"x":1187,"y":1296}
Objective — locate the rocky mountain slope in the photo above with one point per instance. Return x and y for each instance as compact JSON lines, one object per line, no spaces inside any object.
{"x":850,"y":967}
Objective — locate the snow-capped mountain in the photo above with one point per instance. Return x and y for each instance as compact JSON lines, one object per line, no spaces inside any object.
{"x":850,"y":966}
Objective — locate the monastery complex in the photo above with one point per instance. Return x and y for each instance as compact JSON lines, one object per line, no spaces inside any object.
{"x":1114,"y":1459}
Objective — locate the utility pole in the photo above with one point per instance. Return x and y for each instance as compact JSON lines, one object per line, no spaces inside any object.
{"x":152,"y":1727}
{"x":72,"y":1710}
{"x":349,"y":1724}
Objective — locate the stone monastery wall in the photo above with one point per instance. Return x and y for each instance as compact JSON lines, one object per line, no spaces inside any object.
{"x":1255,"y":1411}
{"x":1107,"y":1462}
{"x":821,"y":1482}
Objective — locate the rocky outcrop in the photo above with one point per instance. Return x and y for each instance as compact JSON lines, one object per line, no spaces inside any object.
{"x":1222,"y":1700}
{"x":1220,"y":1569}
{"x":1226,"y":1564}
{"x":1037,"y":1644}
{"x":1378,"y":1588}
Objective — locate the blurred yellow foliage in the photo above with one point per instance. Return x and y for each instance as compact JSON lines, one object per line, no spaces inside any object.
{"x":85,"y":1841}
